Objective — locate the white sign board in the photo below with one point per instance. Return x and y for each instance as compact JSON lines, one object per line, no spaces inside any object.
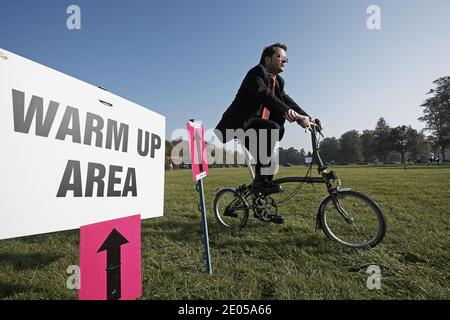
{"x":72,"y":153}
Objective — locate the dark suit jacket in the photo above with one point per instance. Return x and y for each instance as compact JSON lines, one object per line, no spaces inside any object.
{"x":253,"y":95}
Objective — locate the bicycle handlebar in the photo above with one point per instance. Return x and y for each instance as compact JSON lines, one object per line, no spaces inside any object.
{"x":317,"y":125}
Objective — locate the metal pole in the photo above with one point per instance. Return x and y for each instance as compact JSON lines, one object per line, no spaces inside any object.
{"x":202,"y":208}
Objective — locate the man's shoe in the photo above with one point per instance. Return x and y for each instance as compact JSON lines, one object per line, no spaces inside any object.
{"x":278,"y":219}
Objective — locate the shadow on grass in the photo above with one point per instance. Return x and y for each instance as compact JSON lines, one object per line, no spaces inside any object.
{"x":189,"y":231}
{"x":312,"y":243}
{"x":28,"y":261}
{"x":7,"y":289}
{"x":186,"y":231}
{"x":429,"y":167}
{"x":60,"y":236}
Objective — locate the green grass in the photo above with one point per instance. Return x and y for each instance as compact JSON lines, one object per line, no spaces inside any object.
{"x":266,"y":261}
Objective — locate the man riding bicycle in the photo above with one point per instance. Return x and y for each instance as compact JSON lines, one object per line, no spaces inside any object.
{"x":261,"y":104}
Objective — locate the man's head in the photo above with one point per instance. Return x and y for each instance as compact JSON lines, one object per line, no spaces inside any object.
{"x":274,"y":58}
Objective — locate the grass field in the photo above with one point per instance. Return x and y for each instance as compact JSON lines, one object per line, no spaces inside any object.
{"x":266,"y":261}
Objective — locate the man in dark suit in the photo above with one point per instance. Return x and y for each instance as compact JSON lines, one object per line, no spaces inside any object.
{"x":261,"y":103}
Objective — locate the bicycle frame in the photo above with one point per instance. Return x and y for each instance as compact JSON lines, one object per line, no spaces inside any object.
{"x":265,"y":207}
{"x":325,"y":176}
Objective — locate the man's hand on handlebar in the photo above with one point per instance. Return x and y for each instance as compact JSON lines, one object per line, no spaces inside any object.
{"x":292,"y":116}
{"x":304,"y":121}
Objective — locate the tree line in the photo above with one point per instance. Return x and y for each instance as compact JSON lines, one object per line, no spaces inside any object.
{"x":378,"y":145}
{"x":383,"y":143}
{"x":401,"y":143}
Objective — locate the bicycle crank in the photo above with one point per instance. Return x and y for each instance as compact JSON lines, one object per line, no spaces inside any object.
{"x":264,"y":208}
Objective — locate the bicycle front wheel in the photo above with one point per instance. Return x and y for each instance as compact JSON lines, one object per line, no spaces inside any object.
{"x":231,"y":209}
{"x":352,"y":219}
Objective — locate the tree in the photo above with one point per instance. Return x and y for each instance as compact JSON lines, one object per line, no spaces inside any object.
{"x":291,"y":155}
{"x":381,"y":140}
{"x":282,"y":156}
{"x":329,"y":149}
{"x":367,"y":140}
{"x":350,"y":147}
{"x":437,"y":114}
{"x":420,"y":146}
{"x":169,"y":148}
{"x":404,"y":139}
{"x":302,"y":155}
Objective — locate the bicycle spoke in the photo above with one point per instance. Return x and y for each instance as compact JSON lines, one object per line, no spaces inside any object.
{"x":230,"y":209}
{"x":359,"y":231}
{"x":352,"y":220}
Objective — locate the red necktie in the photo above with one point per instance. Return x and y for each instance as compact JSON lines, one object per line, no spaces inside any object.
{"x":266,"y":111}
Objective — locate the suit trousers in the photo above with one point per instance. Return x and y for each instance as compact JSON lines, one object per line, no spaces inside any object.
{"x":263,"y":131}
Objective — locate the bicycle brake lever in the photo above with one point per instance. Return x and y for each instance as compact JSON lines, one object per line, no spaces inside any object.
{"x":320,"y":132}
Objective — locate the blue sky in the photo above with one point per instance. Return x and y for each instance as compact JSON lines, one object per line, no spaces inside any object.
{"x":186,"y":59}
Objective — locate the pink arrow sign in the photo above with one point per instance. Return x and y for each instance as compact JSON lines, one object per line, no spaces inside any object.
{"x":197,"y":150}
{"x":110,"y":260}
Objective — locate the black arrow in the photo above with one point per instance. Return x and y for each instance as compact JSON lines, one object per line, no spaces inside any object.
{"x":112,"y":246}
{"x":198,"y":141}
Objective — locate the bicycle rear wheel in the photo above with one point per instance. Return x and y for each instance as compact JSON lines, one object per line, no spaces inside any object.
{"x":231,"y":209}
{"x":352,"y":219}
